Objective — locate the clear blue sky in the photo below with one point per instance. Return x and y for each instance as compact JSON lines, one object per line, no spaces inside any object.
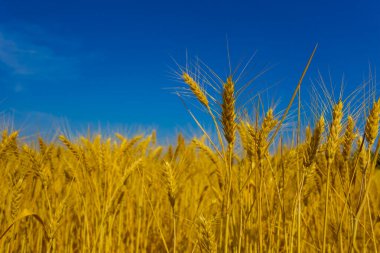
{"x":110,"y":61}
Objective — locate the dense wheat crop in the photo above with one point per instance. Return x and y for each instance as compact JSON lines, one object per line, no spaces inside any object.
{"x":246,"y":190}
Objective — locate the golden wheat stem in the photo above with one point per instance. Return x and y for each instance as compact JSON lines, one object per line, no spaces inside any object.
{"x":357,"y":217}
{"x":156,"y":220}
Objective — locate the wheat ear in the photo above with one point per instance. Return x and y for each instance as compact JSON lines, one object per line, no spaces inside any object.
{"x":206,"y":236}
{"x":228,"y":117}
{"x":372,"y":124}
{"x":335,"y":129}
{"x":314,"y":143}
{"x":349,"y":137}
{"x":196,"y":89}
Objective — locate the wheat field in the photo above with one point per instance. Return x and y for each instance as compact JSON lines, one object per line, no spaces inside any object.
{"x":243,"y":189}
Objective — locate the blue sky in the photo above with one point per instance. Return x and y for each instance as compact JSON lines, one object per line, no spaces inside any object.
{"x":110,"y":62}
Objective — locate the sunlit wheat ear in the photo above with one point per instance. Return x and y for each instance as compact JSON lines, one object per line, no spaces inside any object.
{"x":4,"y":135}
{"x":213,"y":158}
{"x":171,"y":183}
{"x":314,"y":142}
{"x":211,"y":155}
{"x":120,"y":137}
{"x":372,"y":124}
{"x":42,"y":144}
{"x":206,"y":236}
{"x":196,"y":89}
{"x":71,"y":147}
{"x":348,"y":139}
{"x":363,"y":156}
{"x":156,"y":153}
{"x":17,"y":193}
{"x":181,"y":144}
{"x":248,"y":136}
{"x":267,"y":126}
{"x":154,"y":137}
{"x":243,"y":133}
{"x":7,"y":141}
{"x":252,"y":142}
{"x":308,"y":134}
{"x":309,"y":158}
{"x":335,"y":129}
{"x":269,"y":123}
{"x":228,"y":116}
{"x":127,"y":145}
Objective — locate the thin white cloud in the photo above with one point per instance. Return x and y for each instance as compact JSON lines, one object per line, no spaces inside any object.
{"x":23,"y":60}
{"x":10,"y":55}
{"x":18,"y":87}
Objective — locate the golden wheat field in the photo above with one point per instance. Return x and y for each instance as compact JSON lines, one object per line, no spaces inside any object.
{"x":243,"y":190}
